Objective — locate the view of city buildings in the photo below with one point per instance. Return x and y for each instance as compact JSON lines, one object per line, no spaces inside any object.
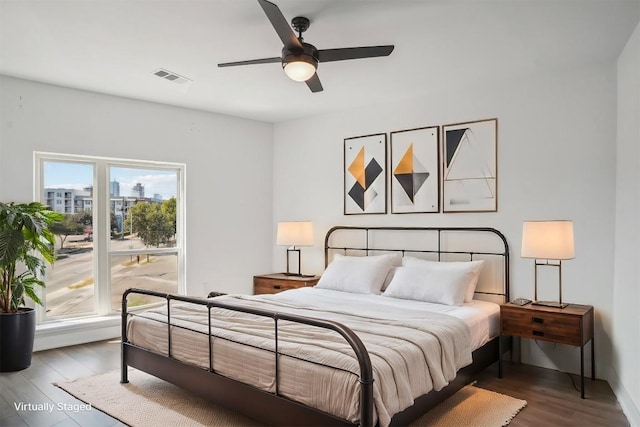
{"x":72,"y":201}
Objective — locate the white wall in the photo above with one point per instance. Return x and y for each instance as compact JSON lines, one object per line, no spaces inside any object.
{"x":626,"y":283}
{"x":556,"y":149}
{"x":228,"y":174}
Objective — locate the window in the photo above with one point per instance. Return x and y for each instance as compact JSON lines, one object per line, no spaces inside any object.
{"x":122,"y":229}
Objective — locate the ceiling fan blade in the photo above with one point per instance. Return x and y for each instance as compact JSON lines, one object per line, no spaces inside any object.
{"x":280,"y":24}
{"x":328,"y":55}
{"x":314,"y":83}
{"x":251,"y":62}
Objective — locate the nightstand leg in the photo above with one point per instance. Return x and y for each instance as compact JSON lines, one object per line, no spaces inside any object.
{"x":582,"y":371}
{"x":499,"y":356}
{"x":593,"y":360}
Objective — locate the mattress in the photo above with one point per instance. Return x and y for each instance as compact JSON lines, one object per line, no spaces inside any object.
{"x":415,"y":347}
{"x":482,"y":317}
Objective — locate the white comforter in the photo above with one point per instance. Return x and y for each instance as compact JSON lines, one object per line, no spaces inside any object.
{"x":412,"y":350}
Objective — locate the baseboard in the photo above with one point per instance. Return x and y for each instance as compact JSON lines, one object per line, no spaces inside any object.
{"x":629,"y":407}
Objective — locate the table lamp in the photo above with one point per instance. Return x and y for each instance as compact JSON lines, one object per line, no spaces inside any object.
{"x":294,"y":234}
{"x":548,"y":241}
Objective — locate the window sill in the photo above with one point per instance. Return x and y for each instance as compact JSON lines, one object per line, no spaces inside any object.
{"x":76,"y":331}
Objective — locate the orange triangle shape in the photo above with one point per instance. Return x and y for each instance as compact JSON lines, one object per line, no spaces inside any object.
{"x":405,"y":165}
{"x":357,"y":168}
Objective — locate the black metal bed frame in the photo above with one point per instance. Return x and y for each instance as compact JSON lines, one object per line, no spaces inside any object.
{"x":274,"y":408}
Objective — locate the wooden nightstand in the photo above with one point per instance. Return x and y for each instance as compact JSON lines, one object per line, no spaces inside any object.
{"x":572,"y":325}
{"x":278,"y":282}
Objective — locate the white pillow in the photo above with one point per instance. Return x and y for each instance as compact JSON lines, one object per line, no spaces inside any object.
{"x":422,"y":283}
{"x":359,"y":275}
{"x":395,"y":258}
{"x":474,"y":266}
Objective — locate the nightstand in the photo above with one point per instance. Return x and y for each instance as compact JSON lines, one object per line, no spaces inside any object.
{"x":572,"y":325}
{"x":278,"y":282}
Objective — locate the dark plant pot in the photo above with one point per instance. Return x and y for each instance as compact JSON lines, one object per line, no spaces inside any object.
{"x":17,"y":331}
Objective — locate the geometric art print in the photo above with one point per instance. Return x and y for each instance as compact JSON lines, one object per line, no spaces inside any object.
{"x":365,"y":176}
{"x":415,"y":179}
{"x":470,"y":173}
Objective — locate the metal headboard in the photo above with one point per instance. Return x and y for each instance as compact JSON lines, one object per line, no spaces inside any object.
{"x":429,"y":248}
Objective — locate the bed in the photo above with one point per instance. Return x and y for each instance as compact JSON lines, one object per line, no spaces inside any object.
{"x":300,"y":358}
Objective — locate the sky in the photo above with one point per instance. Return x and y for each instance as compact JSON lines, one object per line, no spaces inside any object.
{"x":78,"y":176}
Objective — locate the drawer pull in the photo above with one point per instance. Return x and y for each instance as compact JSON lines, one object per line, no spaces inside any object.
{"x":537,"y":320}
{"x":276,"y":286}
{"x":537,"y":333}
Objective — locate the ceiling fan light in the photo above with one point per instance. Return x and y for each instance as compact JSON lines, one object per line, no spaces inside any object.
{"x":299,"y":70}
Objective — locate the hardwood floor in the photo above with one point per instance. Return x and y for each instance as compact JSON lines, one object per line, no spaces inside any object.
{"x":551,"y":397}
{"x":34,"y":385}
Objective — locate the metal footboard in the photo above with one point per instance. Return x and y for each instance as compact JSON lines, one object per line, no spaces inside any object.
{"x":360,"y":351}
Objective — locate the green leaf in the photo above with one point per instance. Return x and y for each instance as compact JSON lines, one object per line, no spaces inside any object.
{"x":31,"y":294}
{"x":10,"y":243}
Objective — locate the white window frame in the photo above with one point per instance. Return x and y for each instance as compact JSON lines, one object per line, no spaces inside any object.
{"x":102,"y":233}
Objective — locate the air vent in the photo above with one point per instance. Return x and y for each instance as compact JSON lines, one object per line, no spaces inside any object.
{"x":171,"y":76}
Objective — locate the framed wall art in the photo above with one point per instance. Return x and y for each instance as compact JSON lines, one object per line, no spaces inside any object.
{"x":415,"y":170}
{"x":365,"y":174}
{"x":470,"y":170}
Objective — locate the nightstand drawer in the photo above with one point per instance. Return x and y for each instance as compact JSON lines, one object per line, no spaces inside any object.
{"x":273,"y":286}
{"x":554,"y":327}
{"x":278,"y":282}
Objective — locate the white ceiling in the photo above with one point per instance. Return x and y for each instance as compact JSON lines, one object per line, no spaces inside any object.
{"x":115,"y":46}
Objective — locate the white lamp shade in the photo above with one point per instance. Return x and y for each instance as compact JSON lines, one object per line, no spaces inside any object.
{"x":295,"y":233}
{"x":299,"y":71}
{"x":548,"y":240}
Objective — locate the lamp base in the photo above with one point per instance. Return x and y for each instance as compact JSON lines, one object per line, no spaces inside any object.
{"x":550,"y":304}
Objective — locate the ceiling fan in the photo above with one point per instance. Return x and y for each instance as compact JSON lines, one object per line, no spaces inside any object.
{"x":299,"y":59}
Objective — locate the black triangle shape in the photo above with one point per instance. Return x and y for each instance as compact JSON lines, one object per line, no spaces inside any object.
{"x":357,"y":194}
{"x":453,"y":138}
{"x":406,"y":182}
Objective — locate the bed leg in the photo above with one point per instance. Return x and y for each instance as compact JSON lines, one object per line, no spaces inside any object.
{"x":123,"y":340}
{"x":124,"y":371}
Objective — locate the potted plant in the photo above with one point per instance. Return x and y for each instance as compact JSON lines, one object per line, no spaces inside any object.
{"x":26,"y":247}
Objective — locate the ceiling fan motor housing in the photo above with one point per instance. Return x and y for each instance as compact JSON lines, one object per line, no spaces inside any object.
{"x":300,"y":24}
{"x":308,"y":53}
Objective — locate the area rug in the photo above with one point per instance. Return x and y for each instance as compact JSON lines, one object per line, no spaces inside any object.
{"x":149,"y":401}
